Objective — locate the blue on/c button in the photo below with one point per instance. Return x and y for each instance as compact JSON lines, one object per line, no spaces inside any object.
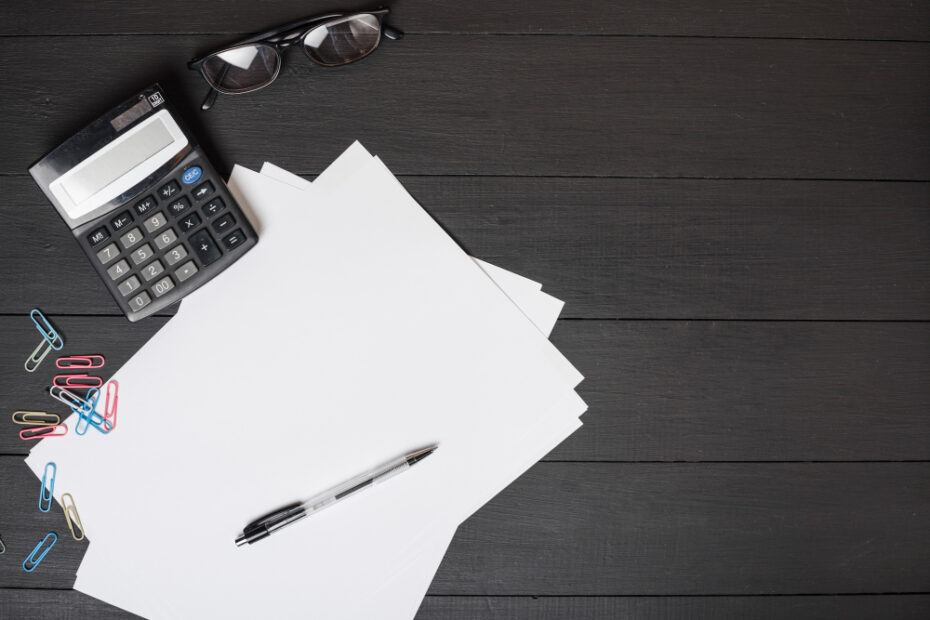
{"x":191,"y":175}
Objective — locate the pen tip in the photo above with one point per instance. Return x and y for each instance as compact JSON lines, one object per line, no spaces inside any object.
{"x":419,"y":455}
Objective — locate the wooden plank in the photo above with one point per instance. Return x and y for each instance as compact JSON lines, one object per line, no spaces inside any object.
{"x":611,"y":248}
{"x":59,"y":604}
{"x":517,"y":105}
{"x":855,"y":607}
{"x":682,"y":529}
{"x":657,"y":390}
{"x":72,"y":605}
{"x":857,"y":19}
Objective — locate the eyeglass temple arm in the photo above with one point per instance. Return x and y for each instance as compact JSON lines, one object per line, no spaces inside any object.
{"x":210,"y":99}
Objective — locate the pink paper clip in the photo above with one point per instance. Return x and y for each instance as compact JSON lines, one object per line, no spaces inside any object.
{"x":77,"y":381}
{"x":41,"y":432}
{"x":80,"y":361}
{"x":109,"y":413}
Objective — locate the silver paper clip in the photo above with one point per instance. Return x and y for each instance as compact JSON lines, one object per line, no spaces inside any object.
{"x":2,"y":547}
{"x":45,"y":545}
{"x":71,"y":516}
{"x":45,"y":496}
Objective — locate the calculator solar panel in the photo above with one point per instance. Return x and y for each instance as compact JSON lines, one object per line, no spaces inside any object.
{"x":145,"y":204}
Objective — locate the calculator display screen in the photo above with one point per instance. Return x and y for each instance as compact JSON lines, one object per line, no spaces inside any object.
{"x":117,"y":161}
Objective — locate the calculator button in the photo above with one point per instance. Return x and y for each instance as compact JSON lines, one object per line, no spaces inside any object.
{"x":155,"y":222}
{"x":203,"y":190}
{"x":108,"y":253}
{"x":224,"y":223}
{"x":234,"y":239}
{"x":190,"y":222}
{"x":131,"y":238}
{"x":186,"y":270}
{"x":145,"y":205}
{"x":165,"y":239}
{"x":169,"y":190}
{"x":118,"y":270}
{"x":142,"y":254}
{"x":162,"y":286}
{"x":179,"y":206}
{"x":152,"y":269}
{"x":213,"y":207}
{"x":129,"y":285}
{"x":98,"y":236}
{"x":191,"y":175}
{"x":140,"y":301}
{"x":122,"y":220}
{"x":175,"y":254}
{"x":204,"y":246}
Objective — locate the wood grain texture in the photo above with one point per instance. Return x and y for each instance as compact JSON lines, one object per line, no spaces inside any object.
{"x":28,"y":604}
{"x":657,"y":390}
{"x":916,"y":607}
{"x":681,"y":529}
{"x":856,"y":19}
{"x":519,"y":105}
{"x":611,"y":248}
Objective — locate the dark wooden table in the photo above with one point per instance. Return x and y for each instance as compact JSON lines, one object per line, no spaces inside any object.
{"x":731,"y":197}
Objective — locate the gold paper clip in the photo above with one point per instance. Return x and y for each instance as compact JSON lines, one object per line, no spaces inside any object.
{"x":71,"y":516}
{"x":36,"y":418}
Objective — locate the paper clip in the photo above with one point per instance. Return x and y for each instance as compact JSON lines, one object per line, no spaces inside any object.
{"x":109,"y":412}
{"x":2,"y":547}
{"x":31,"y":561}
{"x":38,"y":354}
{"x":80,"y":361}
{"x":45,"y":498}
{"x":36,"y":418}
{"x":51,"y":339}
{"x":88,"y":415}
{"x":69,"y":398}
{"x":71,"y":516}
{"x":82,"y":381}
{"x":41,"y":432}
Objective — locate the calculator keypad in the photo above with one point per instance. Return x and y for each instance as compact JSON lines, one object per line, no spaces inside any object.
{"x":160,"y":242}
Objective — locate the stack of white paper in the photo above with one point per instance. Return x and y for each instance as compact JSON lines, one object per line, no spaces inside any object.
{"x":355,"y":331}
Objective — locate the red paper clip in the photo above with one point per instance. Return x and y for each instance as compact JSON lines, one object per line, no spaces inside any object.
{"x":109,"y":413}
{"x":77,"y":381}
{"x":80,"y":361}
{"x":41,"y":432}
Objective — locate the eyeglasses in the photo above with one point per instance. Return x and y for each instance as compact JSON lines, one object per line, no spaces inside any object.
{"x":329,"y":40}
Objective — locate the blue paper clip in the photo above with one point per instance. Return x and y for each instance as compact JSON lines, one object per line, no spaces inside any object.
{"x":45,"y":328}
{"x":88,"y":416}
{"x":45,"y":497}
{"x":31,"y":561}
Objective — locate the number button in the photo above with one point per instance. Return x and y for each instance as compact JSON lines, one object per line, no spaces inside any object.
{"x":151,"y":270}
{"x":142,"y":254}
{"x":165,"y":239}
{"x":98,"y":236}
{"x":213,"y":207}
{"x":108,"y":253}
{"x":186,"y":270}
{"x":175,"y":254}
{"x":234,"y":239}
{"x":169,"y":190}
{"x":145,"y":205}
{"x":122,"y":220}
{"x":131,"y":238}
{"x":179,"y":206}
{"x":191,"y":175}
{"x":162,"y":286}
{"x":129,"y":285}
{"x":155,"y":222}
{"x":118,"y":270}
{"x":140,"y":301}
{"x":204,"y":247}
{"x":190,"y":222}
{"x":203,"y":190}
{"x":224,"y":223}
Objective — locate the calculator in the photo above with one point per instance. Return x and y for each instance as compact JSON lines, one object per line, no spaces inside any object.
{"x":145,"y":204}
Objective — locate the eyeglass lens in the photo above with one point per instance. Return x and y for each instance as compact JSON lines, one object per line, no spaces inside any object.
{"x":343,"y":40}
{"x":242,"y":69}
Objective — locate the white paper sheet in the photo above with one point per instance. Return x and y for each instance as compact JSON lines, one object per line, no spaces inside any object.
{"x":193,"y":560}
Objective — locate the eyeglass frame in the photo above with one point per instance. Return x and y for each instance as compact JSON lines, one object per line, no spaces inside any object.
{"x":283,"y":37}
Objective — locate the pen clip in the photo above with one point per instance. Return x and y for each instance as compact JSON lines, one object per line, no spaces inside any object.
{"x":274,"y":516}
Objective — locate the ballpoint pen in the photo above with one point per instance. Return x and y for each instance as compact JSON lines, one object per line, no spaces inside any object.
{"x":272,"y":522}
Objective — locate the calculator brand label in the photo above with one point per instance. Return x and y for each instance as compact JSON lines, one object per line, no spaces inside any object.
{"x":191,"y":175}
